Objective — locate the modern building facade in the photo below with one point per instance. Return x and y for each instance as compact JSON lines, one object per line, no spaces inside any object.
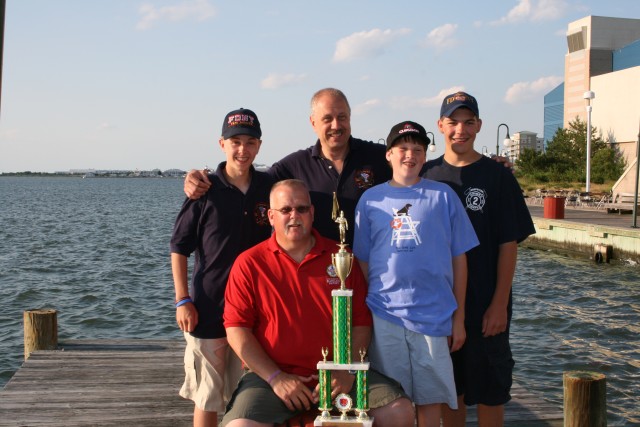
{"x":553,"y":112}
{"x":604,"y":58}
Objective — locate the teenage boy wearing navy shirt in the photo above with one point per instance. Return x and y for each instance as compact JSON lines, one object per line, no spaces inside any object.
{"x":231,"y":217}
{"x":337,"y":163}
{"x":495,"y":205}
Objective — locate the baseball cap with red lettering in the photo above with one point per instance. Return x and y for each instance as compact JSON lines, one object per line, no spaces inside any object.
{"x":452,"y":102}
{"x":241,"y":122}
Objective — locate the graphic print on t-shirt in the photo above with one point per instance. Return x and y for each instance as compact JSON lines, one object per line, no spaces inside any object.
{"x":474,"y":199}
{"x":404,"y":227}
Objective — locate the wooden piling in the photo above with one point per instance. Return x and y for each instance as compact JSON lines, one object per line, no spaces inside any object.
{"x":585,"y":401}
{"x":40,"y":330}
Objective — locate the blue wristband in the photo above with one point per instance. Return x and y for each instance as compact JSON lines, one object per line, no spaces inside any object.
{"x":183,"y":302}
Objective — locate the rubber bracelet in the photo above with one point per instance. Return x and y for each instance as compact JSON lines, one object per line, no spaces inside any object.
{"x":183,"y":302}
{"x":178,"y":300}
{"x":273,"y":376}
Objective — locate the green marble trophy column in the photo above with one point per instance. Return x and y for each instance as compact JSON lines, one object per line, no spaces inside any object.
{"x":342,"y":314}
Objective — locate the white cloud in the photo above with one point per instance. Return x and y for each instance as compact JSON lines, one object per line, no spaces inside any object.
{"x":534,"y":10}
{"x":366,"y":44}
{"x":548,"y":10}
{"x":442,"y":38}
{"x":274,"y":80}
{"x":9,"y":133}
{"x":406,"y":102}
{"x":366,"y":106}
{"x":105,"y":126}
{"x":525,"y":91}
{"x":199,"y":10}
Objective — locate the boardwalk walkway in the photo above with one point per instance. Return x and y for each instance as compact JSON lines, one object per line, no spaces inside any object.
{"x":135,"y":383}
{"x":590,"y":216}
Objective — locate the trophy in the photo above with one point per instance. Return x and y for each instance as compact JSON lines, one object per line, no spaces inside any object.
{"x":342,"y":263}
{"x":342,"y":260}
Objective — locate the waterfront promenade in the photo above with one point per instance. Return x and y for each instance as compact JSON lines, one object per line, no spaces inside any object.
{"x":583,"y":231}
{"x":135,"y":383}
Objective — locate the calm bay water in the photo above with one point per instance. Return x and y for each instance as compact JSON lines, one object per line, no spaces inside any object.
{"x":97,"y":250}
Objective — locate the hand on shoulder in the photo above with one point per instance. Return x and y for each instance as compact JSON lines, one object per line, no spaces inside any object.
{"x":196,"y":183}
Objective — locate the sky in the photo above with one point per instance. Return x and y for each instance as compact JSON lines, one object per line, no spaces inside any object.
{"x":127,"y":84}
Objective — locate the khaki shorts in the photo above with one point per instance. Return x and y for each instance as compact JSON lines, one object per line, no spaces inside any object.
{"x":254,"y":399}
{"x":212,"y":371}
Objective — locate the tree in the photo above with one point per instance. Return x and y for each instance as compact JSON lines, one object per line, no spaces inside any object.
{"x":565,"y":158}
{"x":531,"y":161}
{"x":608,"y":165}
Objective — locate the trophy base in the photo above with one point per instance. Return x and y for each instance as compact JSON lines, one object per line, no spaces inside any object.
{"x":337,"y":421}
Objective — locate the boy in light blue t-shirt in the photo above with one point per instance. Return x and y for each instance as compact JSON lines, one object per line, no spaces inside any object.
{"x":411,"y":236}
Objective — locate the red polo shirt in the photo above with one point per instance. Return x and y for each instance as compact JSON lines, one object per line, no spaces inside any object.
{"x":288,"y":305}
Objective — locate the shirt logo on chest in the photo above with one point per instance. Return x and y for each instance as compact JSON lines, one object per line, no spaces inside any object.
{"x":475,"y":199}
{"x":332,"y":276}
{"x":260,"y":213}
{"x":364,"y":178}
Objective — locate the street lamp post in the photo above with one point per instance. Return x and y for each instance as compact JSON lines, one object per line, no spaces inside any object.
{"x":432,"y":146}
{"x":506,"y":141}
{"x":588,"y":95}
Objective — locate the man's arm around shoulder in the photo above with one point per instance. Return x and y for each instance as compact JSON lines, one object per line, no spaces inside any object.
{"x":196,"y":184}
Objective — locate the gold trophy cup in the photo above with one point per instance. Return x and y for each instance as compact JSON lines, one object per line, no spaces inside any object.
{"x":342,"y":260}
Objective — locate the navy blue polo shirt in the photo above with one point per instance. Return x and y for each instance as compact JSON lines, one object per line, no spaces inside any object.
{"x":217,"y":227}
{"x":364,"y":167}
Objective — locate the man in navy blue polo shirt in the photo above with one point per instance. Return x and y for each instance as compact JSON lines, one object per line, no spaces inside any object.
{"x":230,"y":218}
{"x":337,"y":163}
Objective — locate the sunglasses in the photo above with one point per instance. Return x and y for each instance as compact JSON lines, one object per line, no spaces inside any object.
{"x":288,"y":209}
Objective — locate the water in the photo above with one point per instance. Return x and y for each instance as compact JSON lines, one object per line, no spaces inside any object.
{"x":97,"y":251}
{"x":576,"y":315}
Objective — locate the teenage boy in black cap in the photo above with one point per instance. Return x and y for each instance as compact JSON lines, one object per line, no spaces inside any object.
{"x":493,"y":200}
{"x":231,"y":217}
{"x":411,"y":235}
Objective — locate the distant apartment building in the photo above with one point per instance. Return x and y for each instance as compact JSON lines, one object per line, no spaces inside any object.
{"x":522,"y":140}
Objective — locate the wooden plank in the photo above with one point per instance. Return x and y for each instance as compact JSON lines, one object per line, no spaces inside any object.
{"x":99,"y":382}
{"x":136,"y":382}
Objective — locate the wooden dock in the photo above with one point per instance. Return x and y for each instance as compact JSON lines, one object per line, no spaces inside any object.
{"x":136,"y":382}
{"x":99,"y":383}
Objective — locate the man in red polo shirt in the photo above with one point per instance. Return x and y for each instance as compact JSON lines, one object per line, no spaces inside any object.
{"x":278,"y":317}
